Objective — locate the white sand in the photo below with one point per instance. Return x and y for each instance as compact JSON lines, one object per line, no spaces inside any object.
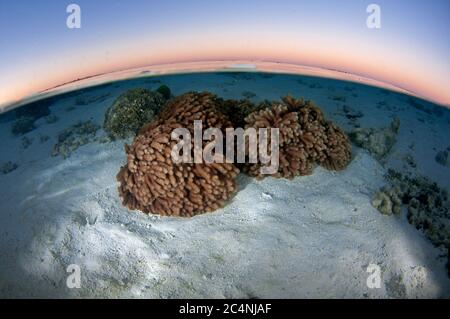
{"x":311,"y":237}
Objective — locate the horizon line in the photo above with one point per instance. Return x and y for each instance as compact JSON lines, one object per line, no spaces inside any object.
{"x":354,"y":77}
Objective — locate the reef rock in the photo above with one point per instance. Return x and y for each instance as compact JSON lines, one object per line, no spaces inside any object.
{"x":130,"y":111}
{"x":23,"y":125}
{"x":378,"y":142}
{"x":426,"y":203}
{"x":73,"y":137}
{"x":351,"y":113}
{"x":8,"y":167}
{"x":37,"y":109}
{"x":387,"y":201}
{"x":442,"y":158}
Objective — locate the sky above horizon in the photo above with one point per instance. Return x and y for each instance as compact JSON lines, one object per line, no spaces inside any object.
{"x":411,"y":50}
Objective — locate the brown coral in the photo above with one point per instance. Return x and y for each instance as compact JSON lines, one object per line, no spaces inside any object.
{"x":338,"y":152}
{"x":238,"y":110}
{"x":294,"y":142}
{"x":153,"y":183}
{"x":306,"y":138}
{"x":191,"y":106}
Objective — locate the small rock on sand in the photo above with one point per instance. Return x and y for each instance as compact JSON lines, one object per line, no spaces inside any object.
{"x":442,"y":158}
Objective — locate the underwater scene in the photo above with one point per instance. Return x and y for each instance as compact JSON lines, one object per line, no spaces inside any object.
{"x":354,"y":183}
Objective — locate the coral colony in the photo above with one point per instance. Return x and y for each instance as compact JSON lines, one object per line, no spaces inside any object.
{"x":153,"y":183}
{"x":131,"y":110}
{"x":256,"y":142}
{"x":165,"y":173}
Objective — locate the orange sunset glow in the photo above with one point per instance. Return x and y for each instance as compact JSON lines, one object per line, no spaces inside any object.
{"x":379,"y":55}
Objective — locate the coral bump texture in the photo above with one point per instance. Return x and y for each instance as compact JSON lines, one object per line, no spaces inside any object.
{"x":151,"y":181}
{"x":306,"y":138}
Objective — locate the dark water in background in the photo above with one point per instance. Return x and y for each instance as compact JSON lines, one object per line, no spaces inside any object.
{"x":308,"y":86}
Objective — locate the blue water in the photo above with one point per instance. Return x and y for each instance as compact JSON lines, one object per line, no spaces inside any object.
{"x":29,"y":166}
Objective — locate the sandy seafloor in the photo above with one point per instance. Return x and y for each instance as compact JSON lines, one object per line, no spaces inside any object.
{"x":312,"y":237}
